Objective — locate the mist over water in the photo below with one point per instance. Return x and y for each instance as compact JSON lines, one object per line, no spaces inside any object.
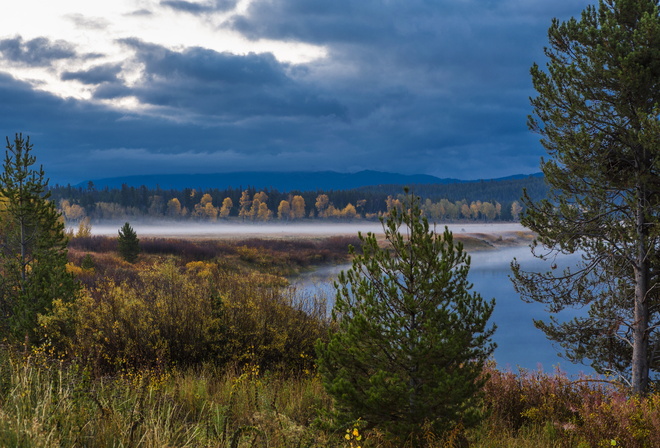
{"x":237,"y":230}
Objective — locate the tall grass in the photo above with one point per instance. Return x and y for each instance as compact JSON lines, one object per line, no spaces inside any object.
{"x":50,"y":403}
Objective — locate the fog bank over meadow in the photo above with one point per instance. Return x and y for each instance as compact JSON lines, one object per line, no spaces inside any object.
{"x":289,"y":230}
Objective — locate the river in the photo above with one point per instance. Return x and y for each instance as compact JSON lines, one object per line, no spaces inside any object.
{"x":520,"y":344}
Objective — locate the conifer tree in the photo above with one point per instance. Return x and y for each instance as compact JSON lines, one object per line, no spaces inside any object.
{"x":412,"y":338}
{"x":33,"y":253}
{"x":597,"y":111}
{"x":128,"y":243}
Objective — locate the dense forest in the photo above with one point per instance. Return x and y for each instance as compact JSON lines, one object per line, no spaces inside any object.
{"x":496,"y":200}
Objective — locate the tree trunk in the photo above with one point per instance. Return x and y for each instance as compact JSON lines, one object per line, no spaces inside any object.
{"x":640,"y":364}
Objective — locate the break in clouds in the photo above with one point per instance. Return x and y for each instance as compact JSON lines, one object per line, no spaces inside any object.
{"x":413,"y":87}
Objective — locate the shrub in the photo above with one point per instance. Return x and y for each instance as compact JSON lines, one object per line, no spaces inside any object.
{"x":165,"y":317}
{"x":97,"y":244}
{"x":186,"y":316}
{"x":267,"y":324}
{"x":584,"y":412}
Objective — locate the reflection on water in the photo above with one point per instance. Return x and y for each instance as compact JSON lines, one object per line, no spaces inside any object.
{"x":520,"y":344}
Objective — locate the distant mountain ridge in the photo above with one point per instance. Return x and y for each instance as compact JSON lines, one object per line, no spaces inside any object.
{"x":281,"y":181}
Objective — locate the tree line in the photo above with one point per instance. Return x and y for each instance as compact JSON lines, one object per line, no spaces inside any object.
{"x":77,"y":203}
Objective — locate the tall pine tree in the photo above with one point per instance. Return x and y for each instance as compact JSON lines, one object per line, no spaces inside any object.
{"x":33,"y":254}
{"x":597,"y":111}
{"x":412,"y":338}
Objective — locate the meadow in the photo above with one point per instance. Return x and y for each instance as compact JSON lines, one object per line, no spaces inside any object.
{"x":203,"y":343}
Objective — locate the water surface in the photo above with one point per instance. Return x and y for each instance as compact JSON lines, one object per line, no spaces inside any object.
{"x":520,"y":344}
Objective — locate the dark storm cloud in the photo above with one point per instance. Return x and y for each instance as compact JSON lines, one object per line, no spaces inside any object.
{"x":238,"y":87}
{"x":448,"y":37}
{"x":35,"y":52}
{"x":436,"y":87}
{"x":95,"y":75}
{"x":360,"y":21}
{"x":76,"y":140}
{"x":445,"y":82}
{"x":195,"y":8}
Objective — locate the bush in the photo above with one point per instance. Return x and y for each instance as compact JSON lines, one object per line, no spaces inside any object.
{"x":267,"y":324}
{"x":165,"y":317}
{"x":186,"y":316}
{"x":584,"y":412}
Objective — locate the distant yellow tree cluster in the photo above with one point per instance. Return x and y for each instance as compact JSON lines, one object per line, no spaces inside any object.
{"x":75,"y":213}
{"x":174,"y":209}
{"x":205,"y":209}
{"x":256,"y":208}
{"x":475,"y":210}
{"x":326,"y":209}
{"x":72,"y":212}
{"x":291,"y":209}
{"x":259,"y":207}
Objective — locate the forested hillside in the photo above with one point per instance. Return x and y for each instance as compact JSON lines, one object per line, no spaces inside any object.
{"x":500,"y":190}
{"x":275,"y":180}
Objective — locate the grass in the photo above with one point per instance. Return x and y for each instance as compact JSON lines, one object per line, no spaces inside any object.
{"x":50,"y":403}
{"x":280,"y":252}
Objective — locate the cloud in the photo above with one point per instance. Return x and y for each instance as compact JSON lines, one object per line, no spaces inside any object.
{"x":446,"y":83}
{"x":196,"y":8}
{"x":71,"y":137}
{"x":106,"y":73}
{"x":39,"y":51}
{"x":445,"y":40}
{"x":236,"y":87}
{"x":140,"y":13}
{"x":90,"y":23}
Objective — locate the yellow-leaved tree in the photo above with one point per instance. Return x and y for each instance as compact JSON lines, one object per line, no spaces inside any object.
{"x":284,"y":210}
{"x":244,"y":205}
{"x":298,"y":207}
{"x":225,"y":209}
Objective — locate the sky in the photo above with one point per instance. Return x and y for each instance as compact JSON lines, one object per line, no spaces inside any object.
{"x":128,"y":87}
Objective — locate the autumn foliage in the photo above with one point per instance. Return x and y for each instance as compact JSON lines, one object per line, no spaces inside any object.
{"x":583,"y":412}
{"x":189,"y":303}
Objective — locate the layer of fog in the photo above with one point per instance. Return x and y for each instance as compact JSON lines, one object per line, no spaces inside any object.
{"x":223,"y":229}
